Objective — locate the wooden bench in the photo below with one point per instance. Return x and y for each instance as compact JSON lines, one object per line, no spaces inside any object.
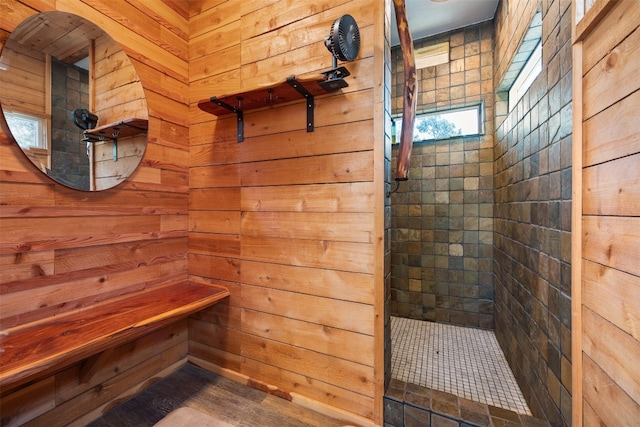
{"x":94,"y":331}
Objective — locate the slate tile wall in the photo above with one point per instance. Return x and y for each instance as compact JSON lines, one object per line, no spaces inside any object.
{"x":442,"y":217}
{"x":69,"y":91}
{"x":532,"y":239}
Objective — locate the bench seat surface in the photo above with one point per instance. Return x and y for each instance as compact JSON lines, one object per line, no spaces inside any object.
{"x":71,"y":337}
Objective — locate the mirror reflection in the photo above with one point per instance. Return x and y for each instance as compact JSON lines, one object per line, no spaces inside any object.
{"x":73,"y":101}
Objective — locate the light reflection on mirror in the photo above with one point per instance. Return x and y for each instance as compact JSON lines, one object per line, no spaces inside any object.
{"x":54,"y":63}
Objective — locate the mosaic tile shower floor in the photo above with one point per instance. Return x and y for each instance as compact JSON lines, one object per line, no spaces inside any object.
{"x":466,"y":362}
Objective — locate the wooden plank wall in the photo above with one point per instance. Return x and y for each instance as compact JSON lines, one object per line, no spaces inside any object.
{"x":121,"y":96}
{"x":114,"y":78}
{"x":24,"y":87}
{"x":24,"y":90}
{"x":290,"y":221}
{"x":61,"y":248}
{"x":607,"y":311}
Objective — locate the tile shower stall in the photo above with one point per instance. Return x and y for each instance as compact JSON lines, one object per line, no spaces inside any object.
{"x":480,"y":233}
{"x":442,"y":235}
{"x":442,"y":217}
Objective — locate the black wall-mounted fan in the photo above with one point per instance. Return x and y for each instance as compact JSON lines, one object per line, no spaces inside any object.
{"x":343,"y":42}
{"x":344,"y":39}
{"x":84,"y":119}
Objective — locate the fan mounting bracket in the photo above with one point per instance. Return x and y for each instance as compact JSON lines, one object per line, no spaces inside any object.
{"x":334,"y":79}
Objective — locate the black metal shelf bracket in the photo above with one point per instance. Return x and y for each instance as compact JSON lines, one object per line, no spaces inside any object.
{"x":308,"y":99}
{"x":272,"y":99}
{"x":89,"y":137}
{"x":103,"y":137}
{"x":238,"y":113}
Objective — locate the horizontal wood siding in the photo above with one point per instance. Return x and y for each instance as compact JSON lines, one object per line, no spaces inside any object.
{"x":24,"y":88}
{"x":121,"y":97}
{"x":609,"y":340}
{"x":25,"y":91}
{"x":61,"y":249}
{"x":286,"y":218}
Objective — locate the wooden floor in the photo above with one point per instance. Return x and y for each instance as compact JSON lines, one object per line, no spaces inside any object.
{"x":227,"y":400}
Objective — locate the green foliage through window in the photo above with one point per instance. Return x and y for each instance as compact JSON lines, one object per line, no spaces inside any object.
{"x":435,"y":127}
{"x":443,"y":124}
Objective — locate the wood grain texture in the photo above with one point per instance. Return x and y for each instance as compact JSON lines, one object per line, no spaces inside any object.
{"x":192,"y":164}
{"x":612,"y":79}
{"x":263,"y":96}
{"x":347,"y":167}
{"x":41,"y":345}
{"x":611,"y":294}
{"x":606,"y":338}
{"x":346,"y":227}
{"x":409,"y":91}
{"x":612,"y":241}
{"x":106,"y":252}
{"x":316,"y":337}
{"x":350,"y":197}
{"x":304,"y":255}
{"x":311,"y":388}
{"x":30,"y":402}
{"x":310,"y":308}
{"x":78,"y":410}
{"x":48,"y":297}
{"x":320,"y":366}
{"x":74,"y":399}
{"x":595,"y":11}
{"x":342,"y":256}
{"x":604,"y":142}
{"x":193,"y":387}
{"x":343,"y":285}
{"x":607,"y":193}
{"x":601,"y":392}
{"x":612,"y":28}
{"x":614,"y":351}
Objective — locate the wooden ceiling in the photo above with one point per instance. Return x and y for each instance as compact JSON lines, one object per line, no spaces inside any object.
{"x":64,"y":36}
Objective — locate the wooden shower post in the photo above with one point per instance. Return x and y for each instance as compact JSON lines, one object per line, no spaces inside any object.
{"x":410,"y":95}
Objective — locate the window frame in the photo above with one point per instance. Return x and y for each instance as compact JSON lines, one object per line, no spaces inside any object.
{"x":397,"y":123}
{"x":42,"y":129}
{"x":528,"y":74}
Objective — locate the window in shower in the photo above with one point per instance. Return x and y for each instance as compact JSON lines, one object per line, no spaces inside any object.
{"x":532,"y":68}
{"x":452,"y":123}
{"x":525,"y":67}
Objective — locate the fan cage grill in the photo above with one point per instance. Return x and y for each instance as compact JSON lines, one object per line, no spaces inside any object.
{"x":344,"y":39}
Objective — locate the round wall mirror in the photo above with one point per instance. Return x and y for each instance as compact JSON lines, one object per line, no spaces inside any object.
{"x":73,"y":101}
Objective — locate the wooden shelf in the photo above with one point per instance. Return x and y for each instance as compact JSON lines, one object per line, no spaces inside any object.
{"x":121,"y":129}
{"x":117,"y":130}
{"x":292,"y":89}
{"x":261,"y":97}
{"x":62,"y":340}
